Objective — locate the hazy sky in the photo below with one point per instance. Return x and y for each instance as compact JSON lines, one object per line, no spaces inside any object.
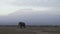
{"x":30,"y":11}
{"x":10,"y":6}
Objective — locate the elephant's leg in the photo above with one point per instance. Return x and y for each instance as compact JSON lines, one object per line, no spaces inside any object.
{"x":21,"y":26}
{"x":24,"y":26}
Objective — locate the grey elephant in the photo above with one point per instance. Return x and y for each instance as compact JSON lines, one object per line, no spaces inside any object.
{"x":22,"y":25}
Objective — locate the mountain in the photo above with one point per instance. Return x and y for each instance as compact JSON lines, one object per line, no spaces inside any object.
{"x":31,"y":17}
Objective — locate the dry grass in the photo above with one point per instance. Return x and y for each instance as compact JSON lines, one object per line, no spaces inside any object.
{"x":30,"y":30}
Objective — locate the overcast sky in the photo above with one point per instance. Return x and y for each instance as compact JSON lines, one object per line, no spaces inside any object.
{"x":10,"y":6}
{"x":33,"y":11}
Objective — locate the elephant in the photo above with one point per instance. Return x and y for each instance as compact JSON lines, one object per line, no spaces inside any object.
{"x":21,"y":25}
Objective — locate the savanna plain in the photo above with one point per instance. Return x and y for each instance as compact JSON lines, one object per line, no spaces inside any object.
{"x":30,"y":30}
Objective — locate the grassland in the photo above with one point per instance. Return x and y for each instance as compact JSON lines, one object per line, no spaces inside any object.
{"x":30,"y":30}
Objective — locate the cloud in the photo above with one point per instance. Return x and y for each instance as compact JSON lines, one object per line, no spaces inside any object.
{"x":54,"y":4}
{"x":9,"y":6}
{"x":36,"y":3}
{"x":45,"y":3}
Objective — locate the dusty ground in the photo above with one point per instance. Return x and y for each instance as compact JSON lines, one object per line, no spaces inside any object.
{"x":30,"y":30}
